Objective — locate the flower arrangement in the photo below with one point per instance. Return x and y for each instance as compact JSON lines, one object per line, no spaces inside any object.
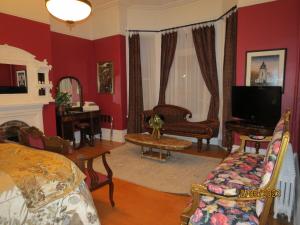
{"x":62,"y":101}
{"x":62,"y":98}
{"x":156,"y":123}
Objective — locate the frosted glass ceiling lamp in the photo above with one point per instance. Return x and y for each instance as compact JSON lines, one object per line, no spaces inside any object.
{"x":69,"y":10}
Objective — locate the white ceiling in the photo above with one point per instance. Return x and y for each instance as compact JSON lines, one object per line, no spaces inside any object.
{"x":138,"y":2}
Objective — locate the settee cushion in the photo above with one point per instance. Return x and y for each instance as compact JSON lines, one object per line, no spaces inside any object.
{"x":239,"y":171}
{"x":186,"y":127}
{"x":36,"y":142}
{"x":216,"y":211}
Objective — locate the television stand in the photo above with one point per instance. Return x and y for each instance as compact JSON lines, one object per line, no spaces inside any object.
{"x":243,"y":127}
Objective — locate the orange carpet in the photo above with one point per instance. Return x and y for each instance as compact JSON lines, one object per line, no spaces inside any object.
{"x":136,"y":205}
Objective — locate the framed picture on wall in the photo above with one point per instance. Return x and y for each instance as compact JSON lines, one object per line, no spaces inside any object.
{"x":21,"y":78}
{"x":105,"y":77}
{"x":266,"y":67}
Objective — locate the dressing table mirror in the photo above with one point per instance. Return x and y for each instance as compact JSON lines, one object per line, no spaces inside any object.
{"x":72,"y":87}
{"x":73,"y":118}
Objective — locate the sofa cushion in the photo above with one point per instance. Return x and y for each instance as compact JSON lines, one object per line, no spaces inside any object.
{"x":217,"y":211}
{"x":239,"y":171}
{"x":185,"y":127}
{"x":36,"y":142}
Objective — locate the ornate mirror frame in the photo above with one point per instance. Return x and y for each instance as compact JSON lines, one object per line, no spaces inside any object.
{"x":79,"y":86}
{"x":13,"y":55}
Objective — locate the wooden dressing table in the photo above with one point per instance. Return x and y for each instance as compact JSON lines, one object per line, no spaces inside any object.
{"x":66,"y":123}
{"x":71,"y":117}
{"x":248,"y":129}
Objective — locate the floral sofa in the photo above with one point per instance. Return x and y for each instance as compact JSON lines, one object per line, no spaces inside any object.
{"x":241,"y":189}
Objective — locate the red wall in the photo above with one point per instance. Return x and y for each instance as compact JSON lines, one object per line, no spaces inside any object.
{"x":29,"y":35}
{"x":73,"y":56}
{"x":33,"y":37}
{"x":113,"y":49}
{"x":269,"y":26}
{"x":78,"y":57}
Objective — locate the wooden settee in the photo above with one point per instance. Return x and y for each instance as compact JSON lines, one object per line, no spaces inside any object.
{"x":241,"y":189}
{"x":176,"y":123}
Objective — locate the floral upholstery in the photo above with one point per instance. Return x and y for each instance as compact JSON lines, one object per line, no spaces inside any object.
{"x":272,"y":152}
{"x":214,"y":211}
{"x":239,"y":171}
{"x":270,"y":160}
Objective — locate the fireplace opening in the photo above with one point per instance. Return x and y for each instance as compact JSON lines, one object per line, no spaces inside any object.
{"x":10,"y":130}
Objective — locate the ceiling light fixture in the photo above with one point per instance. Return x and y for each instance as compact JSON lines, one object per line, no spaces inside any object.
{"x":69,"y":10}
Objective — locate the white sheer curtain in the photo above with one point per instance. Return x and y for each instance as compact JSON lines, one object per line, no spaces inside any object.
{"x":150,"y":67}
{"x":186,"y":86}
{"x":220,"y":27}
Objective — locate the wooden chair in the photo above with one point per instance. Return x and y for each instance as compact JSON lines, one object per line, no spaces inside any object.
{"x":83,"y":158}
{"x":256,"y":139}
{"x":84,"y":129}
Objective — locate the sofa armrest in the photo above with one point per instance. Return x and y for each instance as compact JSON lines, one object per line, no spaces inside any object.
{"x":57,"y":144}
{"x":247,"y":195}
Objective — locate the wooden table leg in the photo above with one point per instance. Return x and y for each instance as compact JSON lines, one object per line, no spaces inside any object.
{"x":168,"y":154}
{"x":199,"y":144}
{"x":160,"y":154}
{"x":109,"y":176}
{"x":229,"y":140}
{"x":257,"y":146}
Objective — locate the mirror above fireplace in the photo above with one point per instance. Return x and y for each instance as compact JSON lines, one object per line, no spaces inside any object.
{"x":27,"y":83}
{"x":13,"y":79}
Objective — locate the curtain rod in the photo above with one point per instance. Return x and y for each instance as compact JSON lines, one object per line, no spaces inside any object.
{"x":192,"y":24}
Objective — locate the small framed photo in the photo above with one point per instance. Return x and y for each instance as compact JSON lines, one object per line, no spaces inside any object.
{"x":266,"y":68}
{"x":105,"y":77}
{"x":21,"y":78}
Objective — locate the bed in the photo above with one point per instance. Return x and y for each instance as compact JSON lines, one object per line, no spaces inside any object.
{"x":40,"y":187}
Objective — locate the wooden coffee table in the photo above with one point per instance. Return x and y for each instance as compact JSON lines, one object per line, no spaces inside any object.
{"x":166,"y":144}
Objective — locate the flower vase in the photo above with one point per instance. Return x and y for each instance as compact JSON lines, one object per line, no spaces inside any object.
{"x":156,"y":134}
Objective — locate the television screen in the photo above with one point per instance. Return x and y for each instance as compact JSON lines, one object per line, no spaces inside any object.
{"x":258,"y":105}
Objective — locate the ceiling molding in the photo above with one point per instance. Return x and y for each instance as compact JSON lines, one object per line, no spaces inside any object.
{"x":244,"y":3}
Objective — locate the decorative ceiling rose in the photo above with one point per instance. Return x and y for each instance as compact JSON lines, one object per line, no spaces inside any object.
{"x":69,"y":10}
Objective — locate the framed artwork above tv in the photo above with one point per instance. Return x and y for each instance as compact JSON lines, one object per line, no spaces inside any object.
{"x":266,"y":67}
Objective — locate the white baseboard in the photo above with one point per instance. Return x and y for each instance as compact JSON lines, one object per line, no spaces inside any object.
{"x":117,"y":135}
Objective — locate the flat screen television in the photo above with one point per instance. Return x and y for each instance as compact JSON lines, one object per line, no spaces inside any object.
{"x":257,"y":105}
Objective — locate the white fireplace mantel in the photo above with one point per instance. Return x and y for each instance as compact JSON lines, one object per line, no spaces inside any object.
{"x":25,"y":107}
{"x":17,"y":56}
{"x":31,"y":114}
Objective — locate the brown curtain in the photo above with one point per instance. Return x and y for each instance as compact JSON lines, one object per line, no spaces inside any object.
{"x":229,"y":68}
{"x":168,"y":47}
{"x":136,"y":105}
{"x":204,"y":41}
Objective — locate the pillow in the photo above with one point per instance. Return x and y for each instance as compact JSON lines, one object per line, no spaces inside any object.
{"x":36,"y":142}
